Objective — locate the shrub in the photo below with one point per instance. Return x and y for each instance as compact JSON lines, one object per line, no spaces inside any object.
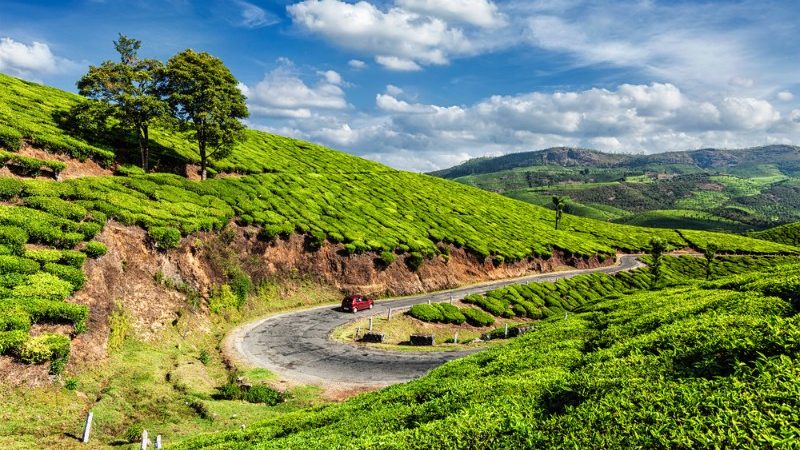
{"x":388,"y":257}
{"x":414,"y":261}
{"x":45,"y":347}
{"x":119,"y":322}
{"x":222,"y":299}
{"x":260,"y":393}
{"x":13,"y":236}
{"x":69,"y":240}
{"x":95,"y":249}
{"x":68,"y":273}
{"x":10,"y":188}
{"x":18,"y":265}
{"x":477,"y":318}
{"x":12,"y":340}
{"x":426,"y":313}
{"x":10,"y":138}
{"x":72,"y":258}
{"x":241,"y":285}
{"x":165,"y":237}
{"x":451,"y":314}
{"x":44,"y":285}
{"x":14,"y":318}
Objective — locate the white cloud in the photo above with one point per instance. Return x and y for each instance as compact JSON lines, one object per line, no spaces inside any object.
{"x":748,"y":113}
{"x":23,"y":60}
{"x":253,"y":16}
{"x":393,"y":90}
{"x":482,"y":13}
{"x":785,"y":96}
{"x":282,"y":93}
{"x":357,"y":64}
{"x":400,"y":39}
{"x":398,"y":64}
{"x":741,"y":82}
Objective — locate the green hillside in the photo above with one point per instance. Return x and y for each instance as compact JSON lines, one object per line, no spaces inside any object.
{"x":788,"y":234}
{"x":283,"y":186}
{"x":704,"y":365}
{"x":737,"y":190}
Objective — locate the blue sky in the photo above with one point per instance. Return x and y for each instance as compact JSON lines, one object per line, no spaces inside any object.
{"x":425,"y":84}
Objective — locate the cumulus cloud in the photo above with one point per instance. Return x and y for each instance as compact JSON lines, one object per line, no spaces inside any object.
{"x":785,"y":96}
{"x":398,"y":38}
{"x":282,"y":93}
{"x":482,"y":13}
{"x":26,"y":60}
{"x":357,"y":64}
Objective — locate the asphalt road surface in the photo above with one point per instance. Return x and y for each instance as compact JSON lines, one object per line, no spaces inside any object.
{"x":297,"y":346}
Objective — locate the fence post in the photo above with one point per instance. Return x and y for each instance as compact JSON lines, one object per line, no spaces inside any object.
{"x":358,"y":332}
{"x":158,"y":441}
{"x":506,"y":331}
{"x":451,"y":299}
{"x":370,"y":324}
{"x":389,"y":314}
{"x":455,"y":338}
{"x":87,"y":428}
{"x":144,"y":440}
{"x":429,"y":300}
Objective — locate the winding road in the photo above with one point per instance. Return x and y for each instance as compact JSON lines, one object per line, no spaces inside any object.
{"x":297,"y":347}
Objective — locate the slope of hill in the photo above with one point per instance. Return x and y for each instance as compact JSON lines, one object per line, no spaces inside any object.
{"x":290,"y":188}
{"x":677,"y":368}
{"x":788,"y":234}
{"x":737,"y":190}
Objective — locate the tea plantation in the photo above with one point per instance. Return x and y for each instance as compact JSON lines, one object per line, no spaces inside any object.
{"x":785,"y":234}
{"x":708,"y":365}
{"x":280,"y":185}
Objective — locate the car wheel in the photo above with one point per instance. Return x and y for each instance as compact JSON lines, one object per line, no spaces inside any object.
{"x":355,"y":310}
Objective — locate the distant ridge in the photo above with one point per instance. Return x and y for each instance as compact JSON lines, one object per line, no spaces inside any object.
{"x":787,"y":156}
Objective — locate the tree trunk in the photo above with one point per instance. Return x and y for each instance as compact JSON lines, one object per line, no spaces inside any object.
{"x":140,"y":135}
{"x":146,"y":149}
{"x":203,"y":159}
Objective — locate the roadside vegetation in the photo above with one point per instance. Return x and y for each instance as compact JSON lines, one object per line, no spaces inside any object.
{"x":680,"y":367}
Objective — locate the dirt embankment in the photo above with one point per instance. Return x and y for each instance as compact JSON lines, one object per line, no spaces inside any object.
{"x":143,"y":281}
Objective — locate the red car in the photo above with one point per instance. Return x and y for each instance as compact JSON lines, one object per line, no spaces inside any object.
{"x":355,"y":303}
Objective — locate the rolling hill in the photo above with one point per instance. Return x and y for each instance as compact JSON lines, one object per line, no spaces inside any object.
{"x":72,"y":211}
{"x":735,"y":190}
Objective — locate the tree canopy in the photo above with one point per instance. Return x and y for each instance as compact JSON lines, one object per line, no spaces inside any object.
{"x":128,"y":90}
{"x":205,"y":98}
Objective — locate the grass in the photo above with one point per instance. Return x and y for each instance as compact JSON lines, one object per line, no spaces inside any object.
{"x":698,"y":361}
{"x":157,"y":384}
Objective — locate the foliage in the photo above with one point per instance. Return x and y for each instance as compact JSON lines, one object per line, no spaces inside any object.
{"x":205,"y":97}
{"x":119,"y":324}
{"x":698,"y":361}
{"x":223,"y":299}
{"x":95,"y":249}
{"x":656,"y":251}
{"x":165,"y":237}
{"x":477,"y":318}
{"x":129,"y":90}
{"x":258,"y":393}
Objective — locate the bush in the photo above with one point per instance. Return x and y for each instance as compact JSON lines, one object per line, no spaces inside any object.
{"x":388,"y":257}
{"x":18,"y":265}
{"x":414,"y":261}
{"x":10,"y":139}
{"x":44,"y":285}
{"x":165,"y":237}
{"x":73,"y":258}
{"x":10,"y":341}
{"x":95,"y":249}
{"x":426,"y":313}
{"x":13,"y":236}
{"x":451,"y":314}
{"x":477,"y":318}
{"x":223,"y":299}
{"x":262,"y":394}
{"x":14,"y":318}
{"x":45,"y":347}
{"x":68,"y":273}
{"x":241,"y":285}
{"x":10,"y":188}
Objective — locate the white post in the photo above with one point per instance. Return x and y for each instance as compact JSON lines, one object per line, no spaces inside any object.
{"x":158,"y":441}
{"x":389,"y":314}
{"x":358,"y":332}
{"x":370,"y":324}
{"x":144,"y":440}
{"x":506,"y":331}
{"x":429,"y":300}
{"x":88,"y":427}
{"x":451,"y":299}
{"x":455,"y":338}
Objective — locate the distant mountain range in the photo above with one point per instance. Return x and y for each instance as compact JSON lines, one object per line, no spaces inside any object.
{"x":717,"y":189}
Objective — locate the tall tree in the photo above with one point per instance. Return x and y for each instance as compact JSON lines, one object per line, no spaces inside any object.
{"x":130,"y":91}
{"x":657,"y":249}
{"x":559,"y":203}
{"x":205,"y":98}
{"x":710,"y":253}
